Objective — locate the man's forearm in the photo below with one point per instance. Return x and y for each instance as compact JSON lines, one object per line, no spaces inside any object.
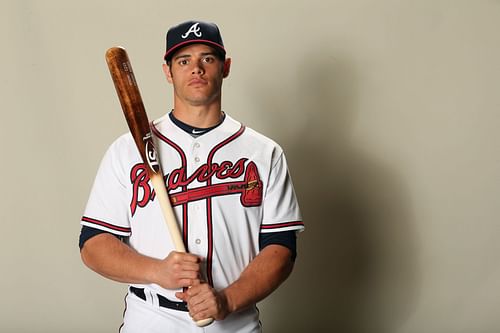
{"x":261,"y":277}
{"x":108,"y":256}
{"x":115,"y":260}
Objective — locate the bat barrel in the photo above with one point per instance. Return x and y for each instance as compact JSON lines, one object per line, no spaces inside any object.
{"x":132,"y":105}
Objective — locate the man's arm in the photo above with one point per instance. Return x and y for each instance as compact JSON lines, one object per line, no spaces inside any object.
{"x":259,"y":279}
{"x":110,"y":257}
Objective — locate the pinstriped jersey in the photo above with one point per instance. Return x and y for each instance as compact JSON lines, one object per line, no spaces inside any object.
{"x":226,"y":187}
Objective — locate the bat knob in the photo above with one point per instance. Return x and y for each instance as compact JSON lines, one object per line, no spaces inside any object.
{"x":204,"y":322}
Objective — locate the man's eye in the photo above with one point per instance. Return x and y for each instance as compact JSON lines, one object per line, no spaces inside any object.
{"x":183,"y":62}
{"x":208,"y":60}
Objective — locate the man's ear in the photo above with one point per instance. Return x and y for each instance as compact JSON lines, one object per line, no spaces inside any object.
{"x":227,"y":67}
{"x":168,"y":74}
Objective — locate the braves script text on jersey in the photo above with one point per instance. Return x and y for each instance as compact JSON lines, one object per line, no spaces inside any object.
{"x":226,"y":187}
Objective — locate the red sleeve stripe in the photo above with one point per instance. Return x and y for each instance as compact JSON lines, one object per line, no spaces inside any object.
{"x":282,"y":225}
{"x":104,"y":224}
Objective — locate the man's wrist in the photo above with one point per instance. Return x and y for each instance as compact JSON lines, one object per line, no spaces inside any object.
{"x":151,"y":273}
{"x":226,"y":302}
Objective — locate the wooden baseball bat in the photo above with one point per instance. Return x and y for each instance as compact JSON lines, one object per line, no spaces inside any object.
{"x":138,"y":123}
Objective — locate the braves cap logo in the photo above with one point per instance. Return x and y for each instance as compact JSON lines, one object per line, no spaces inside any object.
{"x":195,"y":29}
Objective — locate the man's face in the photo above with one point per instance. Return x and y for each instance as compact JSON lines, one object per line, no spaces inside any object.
{"x":196,"y":74}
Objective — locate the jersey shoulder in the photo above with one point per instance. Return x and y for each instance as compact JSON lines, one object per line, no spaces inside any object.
{"x":257,"y":138}
{"x":258,"y":142}
{"x":122,"y":153}
{"x":262,"y":139}
{"x":123,"y":145}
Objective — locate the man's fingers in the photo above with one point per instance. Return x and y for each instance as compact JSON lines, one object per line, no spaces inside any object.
{"x":202,"y":307}
{"x":196,"y":282}
{"x":199,"y":294}
{"x":177,"y":270}
{"x":182,"y":257}
{"x":185,"y":283}
{"x":181,"y":295}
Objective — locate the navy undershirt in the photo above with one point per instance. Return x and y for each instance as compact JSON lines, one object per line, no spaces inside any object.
{"x":284,"y":238}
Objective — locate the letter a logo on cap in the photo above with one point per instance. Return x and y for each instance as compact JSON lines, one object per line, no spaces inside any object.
{"x":193,"y":29}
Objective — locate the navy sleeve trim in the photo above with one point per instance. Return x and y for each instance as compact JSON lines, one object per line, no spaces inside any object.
{"x":87,"y":233}
{"x":287,"y":239}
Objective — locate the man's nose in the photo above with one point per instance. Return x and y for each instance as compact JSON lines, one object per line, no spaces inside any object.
{"x":198,"y":68}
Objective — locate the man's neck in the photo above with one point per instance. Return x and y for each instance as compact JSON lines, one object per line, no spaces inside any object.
{"x":198,"y":116}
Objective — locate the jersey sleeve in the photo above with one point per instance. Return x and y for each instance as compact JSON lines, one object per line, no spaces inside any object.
{"x":281,"y":210}
{"x":107,"y":207}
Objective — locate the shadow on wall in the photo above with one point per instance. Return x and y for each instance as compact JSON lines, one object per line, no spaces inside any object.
{"x":356,"y":270}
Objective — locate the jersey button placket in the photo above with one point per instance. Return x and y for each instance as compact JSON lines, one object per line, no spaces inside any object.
{"x":196,"y":147}
{"x":198,"y":232}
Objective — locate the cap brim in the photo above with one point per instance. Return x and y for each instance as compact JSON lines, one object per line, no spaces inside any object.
{"x":168,"y":55}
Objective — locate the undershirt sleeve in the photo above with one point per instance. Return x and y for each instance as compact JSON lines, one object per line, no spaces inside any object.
{"x":287,"y":239}
{"x":87,"y":233}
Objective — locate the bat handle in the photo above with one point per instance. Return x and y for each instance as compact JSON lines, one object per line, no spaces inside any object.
{"x":171,"y":221}
{"x":168,"y":212}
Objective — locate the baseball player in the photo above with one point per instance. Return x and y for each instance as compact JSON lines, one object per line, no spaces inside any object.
{"x":232,"y":195}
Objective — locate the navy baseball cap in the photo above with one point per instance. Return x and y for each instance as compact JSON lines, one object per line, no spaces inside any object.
{"x":192,"y":32}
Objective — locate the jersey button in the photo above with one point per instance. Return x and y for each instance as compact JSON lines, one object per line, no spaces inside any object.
{"x":198,"y":241}
{"x":196,"y":159}
{"x":197,"y":145}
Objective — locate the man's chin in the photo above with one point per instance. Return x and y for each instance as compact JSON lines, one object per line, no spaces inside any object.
{"x":201,"y":100}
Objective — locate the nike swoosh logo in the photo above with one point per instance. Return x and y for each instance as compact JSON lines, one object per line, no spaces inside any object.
{"x":197,"y":132}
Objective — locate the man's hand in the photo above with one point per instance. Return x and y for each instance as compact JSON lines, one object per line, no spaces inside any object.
{"x":177,"y":270}
{"x":115,"y":260}
{"x":205,"y":302}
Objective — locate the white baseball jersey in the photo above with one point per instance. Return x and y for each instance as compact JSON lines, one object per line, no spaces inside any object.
{"x":226,"y":187}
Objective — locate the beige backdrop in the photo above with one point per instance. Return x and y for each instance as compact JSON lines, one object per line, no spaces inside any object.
{"x":388,"y":111}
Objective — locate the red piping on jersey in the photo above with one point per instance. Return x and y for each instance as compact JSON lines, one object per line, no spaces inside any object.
{"x":281,"y":225}
{"x":105,"y":224}
{"x":209,"y":204}
{"x":184,"y":188}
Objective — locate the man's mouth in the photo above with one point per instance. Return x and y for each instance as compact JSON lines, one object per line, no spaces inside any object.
{"x":197,"y":82}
